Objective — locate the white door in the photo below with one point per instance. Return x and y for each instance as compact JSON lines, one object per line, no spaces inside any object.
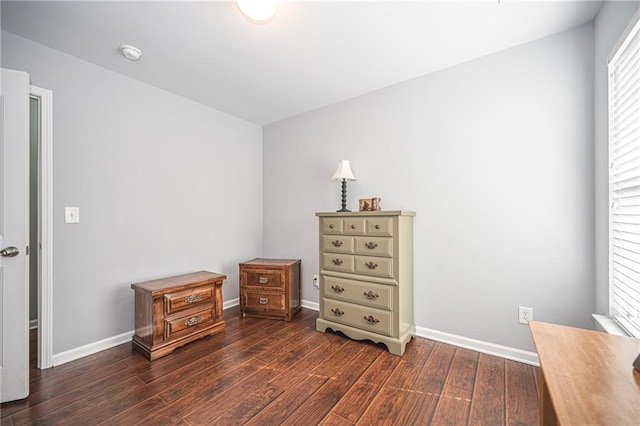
{"x":14,"y":235}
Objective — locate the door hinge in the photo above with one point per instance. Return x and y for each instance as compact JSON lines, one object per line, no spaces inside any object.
{"x":27,"y":251}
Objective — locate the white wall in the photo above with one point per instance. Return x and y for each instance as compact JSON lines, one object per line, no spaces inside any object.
{"x":608,"y":26}
{"x":164,"y":186}
{"x":494,"y":155}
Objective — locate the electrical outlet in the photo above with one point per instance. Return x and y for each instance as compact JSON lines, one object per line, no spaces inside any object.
{"x":316,"y":282}
{"x":525,"y":314}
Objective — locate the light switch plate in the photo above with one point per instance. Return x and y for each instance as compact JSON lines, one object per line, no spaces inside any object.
{"x":72,"y":215}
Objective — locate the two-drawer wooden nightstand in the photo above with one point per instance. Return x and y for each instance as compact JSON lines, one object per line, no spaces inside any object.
{"x":270,"y":288}
{"x":171,"y":312}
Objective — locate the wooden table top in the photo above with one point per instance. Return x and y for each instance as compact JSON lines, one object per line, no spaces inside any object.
{"x":178,"y":282}
{"x":589,"y":374}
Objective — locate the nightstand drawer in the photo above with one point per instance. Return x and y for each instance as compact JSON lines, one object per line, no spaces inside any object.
{"x":376,"y":266}
{"x":361,"y":317}
{"x":337,"y":244}
{"x":186,"y":299}
{"x":263,"y":279}
{"x":337,"y":262}
{"x":361,"y":292}
{"x":263,"y":301}
{"x":374,"y":246}
{"x":188,"y":324}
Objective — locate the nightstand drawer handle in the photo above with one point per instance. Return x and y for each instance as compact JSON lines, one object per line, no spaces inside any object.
{"x":337,"y":262}
{"x":371,"y":295}
{"x":337,"y":312}
{"x":353,"y":227}
{"x":263,"y":301}
{"x":371,"y":265}
{"x":336,"y":243}
{"x":337,"y":289}
{"x":264,"y":280}
{"x":192,"y":321}
{"x":377,"y":226}
{"x":192,"y":298}
{"x":371,"y":319}
{"x":371,"y":245}
{"x":331,"y":226}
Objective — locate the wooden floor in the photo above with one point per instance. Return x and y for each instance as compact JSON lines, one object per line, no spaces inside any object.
{"x":264,"y":372}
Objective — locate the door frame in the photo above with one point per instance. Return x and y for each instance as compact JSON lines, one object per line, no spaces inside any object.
{"x":45,"y":224}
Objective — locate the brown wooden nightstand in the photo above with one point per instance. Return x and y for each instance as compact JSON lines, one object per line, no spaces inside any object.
{"x":173,"y":311}
{"x":270,"y":288}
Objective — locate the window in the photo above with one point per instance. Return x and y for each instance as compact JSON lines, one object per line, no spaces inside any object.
{"x":624,"y":181}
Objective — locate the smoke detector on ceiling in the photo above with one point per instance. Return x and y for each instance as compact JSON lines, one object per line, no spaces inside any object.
{"x":132,"y":53}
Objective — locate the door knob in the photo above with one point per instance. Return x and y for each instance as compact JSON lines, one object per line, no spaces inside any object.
{"x":9,"y":252}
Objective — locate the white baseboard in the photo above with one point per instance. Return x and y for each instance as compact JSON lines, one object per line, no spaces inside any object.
{"x":315,"y":306}
{"x":230,"y":303}
{"x":91,"y":348}
{"x":507,"y":352}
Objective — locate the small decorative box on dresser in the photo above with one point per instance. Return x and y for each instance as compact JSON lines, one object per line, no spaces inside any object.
{"x":366,"y":276}
{"x":270,"y":288}
{"x":171,"y":312}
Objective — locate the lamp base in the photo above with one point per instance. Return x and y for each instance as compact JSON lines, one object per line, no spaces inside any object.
{"x":343,"y":210}
{"x":344,"y":197}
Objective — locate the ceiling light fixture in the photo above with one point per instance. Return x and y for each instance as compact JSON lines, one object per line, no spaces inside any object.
{"x":258,"y":11}
{"x":132,"y":53}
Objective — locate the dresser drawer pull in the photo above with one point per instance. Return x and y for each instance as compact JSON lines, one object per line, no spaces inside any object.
{"x":336,"y":243}
{"x":192,"y":321}
{"x":337,"y":289}
{"x":371,"y":245}
{"x":263,"y":301}
{"x":371,"y":265}
{"x":371,"y":295}
{"x":337,"y":262}
{"x":337,"y":312}
{"x":371,"y":320}
{"x":331,"y":226}
{"x":377,"y":226}
{"x":264,"y":280}
{"x":192,"y":298}
{"x":353,"y":227}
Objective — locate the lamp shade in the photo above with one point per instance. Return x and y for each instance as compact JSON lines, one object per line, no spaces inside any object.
{"x":343,"y":171}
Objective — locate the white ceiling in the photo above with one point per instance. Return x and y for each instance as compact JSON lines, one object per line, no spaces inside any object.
{"x":310,"y":55}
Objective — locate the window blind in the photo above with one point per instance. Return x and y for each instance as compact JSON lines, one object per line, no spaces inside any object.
{"x":624,"y":183}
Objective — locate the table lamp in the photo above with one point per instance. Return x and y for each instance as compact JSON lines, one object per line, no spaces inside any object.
{"x":343,"y":173}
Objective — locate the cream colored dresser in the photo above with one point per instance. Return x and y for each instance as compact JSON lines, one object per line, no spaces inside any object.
{"x":366,"y":276}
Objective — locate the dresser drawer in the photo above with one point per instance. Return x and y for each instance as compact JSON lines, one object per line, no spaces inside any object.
{"x":186,"y":299}
{"x":188,"y":324}
{"x":361,"y":292}
{"x":382,"y":226}
{"x":374,"y":246}
{"x":331,"y":225}
{"x":337,"y":262}
{"x":337,"y":244}
{"x":376,"y":266}
{"x":263,"y":279}
{"x":263,"y":301}
{"x":361,"y":317}
{"x":353,"y":226}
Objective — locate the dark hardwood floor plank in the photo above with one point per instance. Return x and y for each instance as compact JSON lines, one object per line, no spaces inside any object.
{"x":521,"y":398}
{"x":265,"y":372}
{"x":314,"y":409}
{"x":356,"y":400}
{"x":487,"y":403}
{"x":333,"y":419}
{"x":137,"y":413}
